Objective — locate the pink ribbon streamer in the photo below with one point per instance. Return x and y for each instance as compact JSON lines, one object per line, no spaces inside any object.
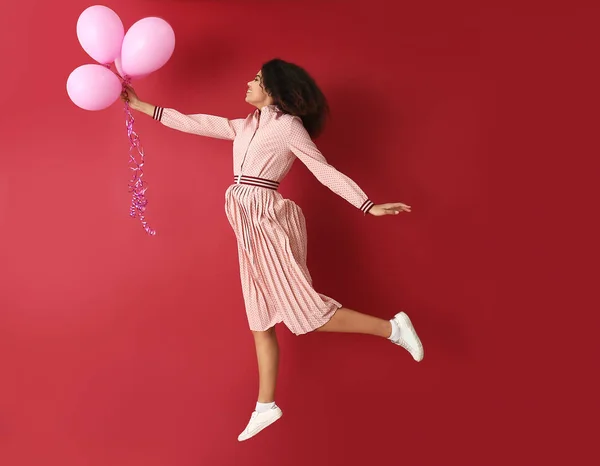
{"x":137,"y":186}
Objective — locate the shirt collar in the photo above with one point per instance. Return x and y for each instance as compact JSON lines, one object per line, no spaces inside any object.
{"x":269,"y":109}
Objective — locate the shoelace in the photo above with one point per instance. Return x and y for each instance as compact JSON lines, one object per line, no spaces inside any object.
{"x":402,"y":342}
{"x":252,"y":417}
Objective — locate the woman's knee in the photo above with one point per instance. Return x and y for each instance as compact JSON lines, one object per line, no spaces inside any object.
{"x":268,"y":334}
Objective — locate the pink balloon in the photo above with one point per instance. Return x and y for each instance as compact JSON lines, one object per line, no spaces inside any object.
{"x":100,"y":33}
{"x":147,"y":46}
{"x":93,"y":87}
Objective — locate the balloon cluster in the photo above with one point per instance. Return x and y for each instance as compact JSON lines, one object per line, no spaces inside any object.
{"x":146,"y":47}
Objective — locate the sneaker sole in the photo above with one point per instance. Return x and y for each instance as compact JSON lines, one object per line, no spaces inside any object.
{"x":409,"y":324}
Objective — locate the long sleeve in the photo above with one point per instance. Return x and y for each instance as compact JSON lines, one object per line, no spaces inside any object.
{"x":305,"y":149}
{"x":200,"y":124}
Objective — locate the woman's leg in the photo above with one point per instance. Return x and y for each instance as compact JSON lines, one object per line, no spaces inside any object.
{"x":266,"y":412}
{"x":399,"y":330}
{"x":267,"y":353}
{"x":349,"y":321}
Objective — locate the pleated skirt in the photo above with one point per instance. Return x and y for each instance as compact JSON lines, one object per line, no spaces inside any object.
{"x":272,"y":248}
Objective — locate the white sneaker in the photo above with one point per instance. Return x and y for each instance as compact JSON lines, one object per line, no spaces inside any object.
{"x":258,"y":421}
{"x":408,"y":339}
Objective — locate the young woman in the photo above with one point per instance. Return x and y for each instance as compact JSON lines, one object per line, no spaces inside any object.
{"x":270,"y":230}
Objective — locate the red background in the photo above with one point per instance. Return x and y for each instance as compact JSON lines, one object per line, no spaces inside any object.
{"x":121,"y":349}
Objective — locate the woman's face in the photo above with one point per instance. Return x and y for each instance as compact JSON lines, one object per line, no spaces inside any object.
{"x":256,"y":94}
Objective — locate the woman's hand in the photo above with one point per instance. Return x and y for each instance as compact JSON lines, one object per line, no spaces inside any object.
{"x":391,"y":208}
{"x":129,"y":95}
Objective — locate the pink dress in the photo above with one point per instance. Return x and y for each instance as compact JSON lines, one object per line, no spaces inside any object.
{"x":271,"y":230}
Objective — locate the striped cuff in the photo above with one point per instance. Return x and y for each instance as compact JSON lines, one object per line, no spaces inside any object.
{"x":158,"y":112}
{"x":367,"y":206}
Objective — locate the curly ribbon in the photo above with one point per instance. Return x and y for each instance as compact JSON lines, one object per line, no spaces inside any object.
{"x":137,"y":186}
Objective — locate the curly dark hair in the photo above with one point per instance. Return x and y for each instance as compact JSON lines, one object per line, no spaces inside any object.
{"x":295,"y":92}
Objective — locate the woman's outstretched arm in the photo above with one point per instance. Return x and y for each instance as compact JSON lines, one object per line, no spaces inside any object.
{"x":304,"y":148}
{"x":199,"y":124}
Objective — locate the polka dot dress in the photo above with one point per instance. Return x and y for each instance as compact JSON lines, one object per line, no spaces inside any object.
{"x":271,"y":230}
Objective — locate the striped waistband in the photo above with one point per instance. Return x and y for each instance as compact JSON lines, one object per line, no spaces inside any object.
{"x":253,"y":181}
